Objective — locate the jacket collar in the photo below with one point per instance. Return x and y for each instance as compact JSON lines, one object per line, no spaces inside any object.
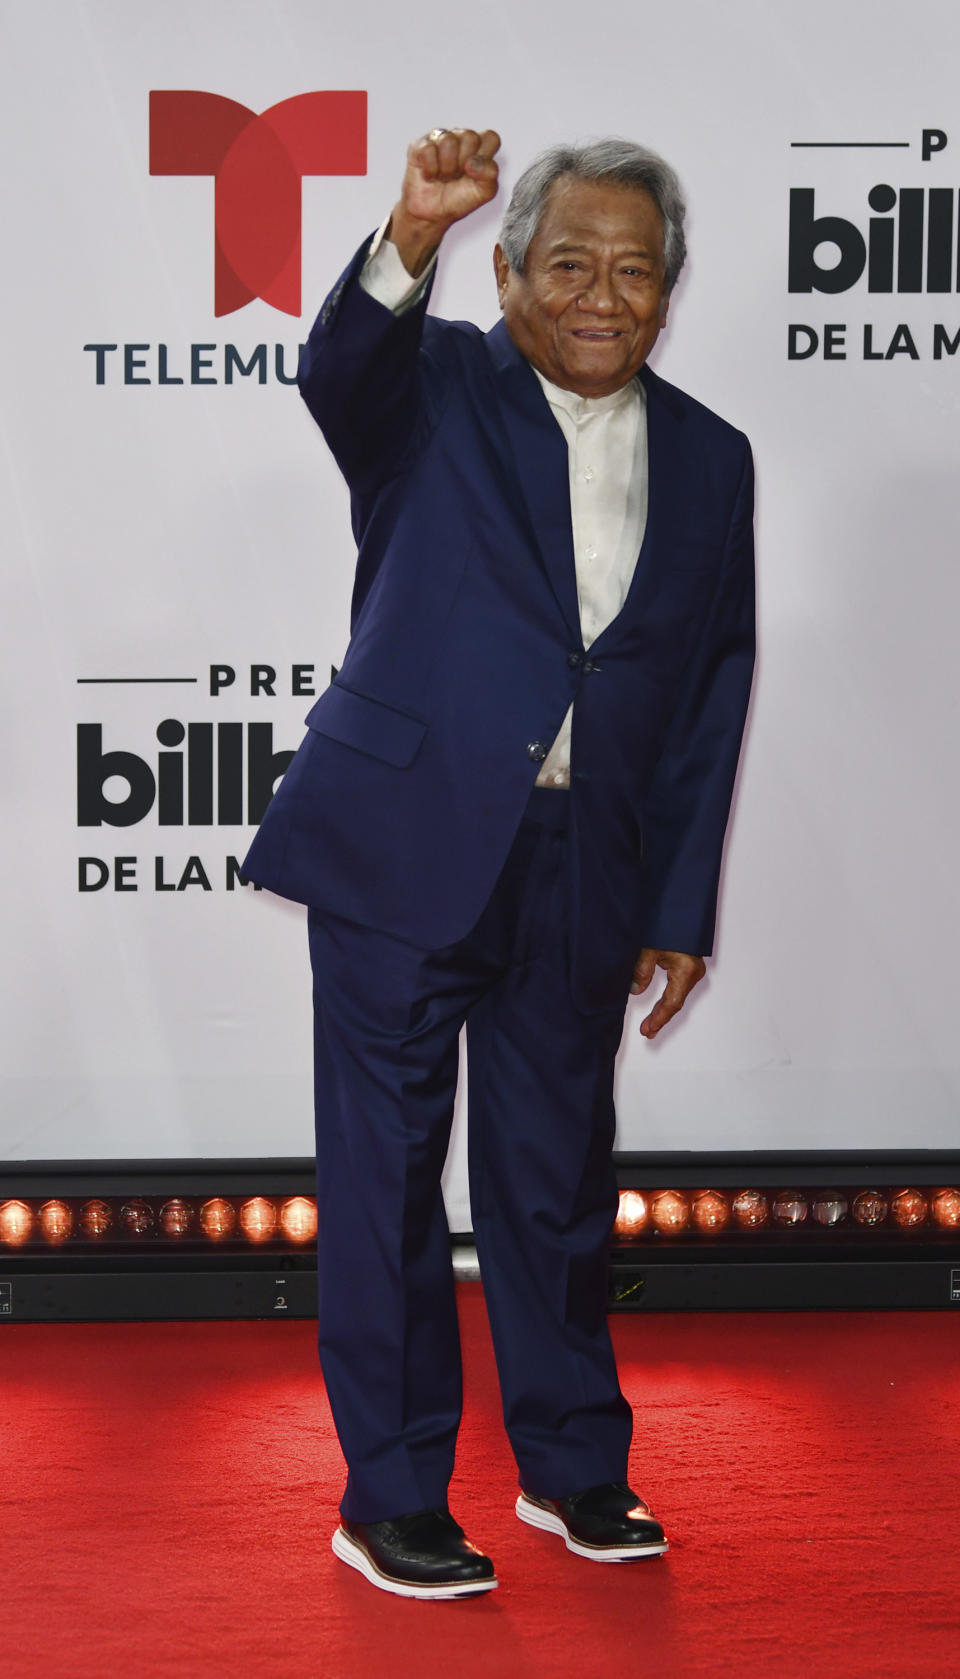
{"x":542,"y":467}
{"x":539,"y":453}
{"x":513,"y":366}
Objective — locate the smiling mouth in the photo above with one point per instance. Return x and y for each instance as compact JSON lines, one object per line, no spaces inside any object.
{"x":595,"y":332}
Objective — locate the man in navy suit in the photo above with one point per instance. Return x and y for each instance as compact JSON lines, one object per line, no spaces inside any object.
{"x":508,"y":811}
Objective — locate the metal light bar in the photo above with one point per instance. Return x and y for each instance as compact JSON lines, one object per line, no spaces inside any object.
{"x":133,"y":1221}
{"x":236,"y":1238}
{"x":780,"y":1230}
{"x":157,"y":1239}
{"x":646,"y":1214}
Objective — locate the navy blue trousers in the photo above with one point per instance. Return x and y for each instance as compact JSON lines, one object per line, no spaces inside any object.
{"x":543,"y":1194}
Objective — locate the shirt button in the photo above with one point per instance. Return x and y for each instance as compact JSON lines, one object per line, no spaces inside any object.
{"x":591,"y":553}
{"x":537,"y":751}
{"x":588,"y":474}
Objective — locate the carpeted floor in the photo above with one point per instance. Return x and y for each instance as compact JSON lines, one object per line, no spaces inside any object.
{"x":168,"y":1494}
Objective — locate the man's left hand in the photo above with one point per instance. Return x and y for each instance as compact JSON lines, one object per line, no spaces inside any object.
{"x":683,"y":973}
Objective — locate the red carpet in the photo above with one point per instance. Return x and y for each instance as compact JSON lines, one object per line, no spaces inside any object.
{"x":168,"y":1494}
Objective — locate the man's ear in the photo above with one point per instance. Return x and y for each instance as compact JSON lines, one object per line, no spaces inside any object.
{"x":501,"y":268}
{"x":664,"y":306}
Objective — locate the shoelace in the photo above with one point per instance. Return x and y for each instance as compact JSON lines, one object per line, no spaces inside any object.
{"x":408,"y":1527}
{"x":621,"y":1487}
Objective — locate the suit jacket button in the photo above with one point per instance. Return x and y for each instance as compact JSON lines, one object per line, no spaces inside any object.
{"x":574,"y":659}
{"x":537,"y":751}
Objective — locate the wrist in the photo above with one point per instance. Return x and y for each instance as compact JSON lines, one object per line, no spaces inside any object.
{"x":416,"y":241}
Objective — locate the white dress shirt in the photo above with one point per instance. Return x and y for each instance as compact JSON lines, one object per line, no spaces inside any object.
{"x":606,"y":440}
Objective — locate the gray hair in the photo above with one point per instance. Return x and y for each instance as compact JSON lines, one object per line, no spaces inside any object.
{"x":618,"y":161}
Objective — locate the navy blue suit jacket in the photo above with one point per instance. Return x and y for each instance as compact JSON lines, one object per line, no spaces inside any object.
{"x":402,"y":802}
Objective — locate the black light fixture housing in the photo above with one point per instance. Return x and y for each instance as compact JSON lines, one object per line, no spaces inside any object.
{"x":198,"y":1239}
{"x":823,"y":1230}
{"x":154,"y":1256}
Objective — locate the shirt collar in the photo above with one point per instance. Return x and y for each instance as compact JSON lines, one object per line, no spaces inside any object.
{"x":580,"y":407}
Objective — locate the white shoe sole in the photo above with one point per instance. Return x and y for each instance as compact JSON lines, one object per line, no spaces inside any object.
{"x":536,"y":1516}
{"x":350,"y":1552}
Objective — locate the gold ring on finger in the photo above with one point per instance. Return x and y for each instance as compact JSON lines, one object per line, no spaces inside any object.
{"x":437,"y":133}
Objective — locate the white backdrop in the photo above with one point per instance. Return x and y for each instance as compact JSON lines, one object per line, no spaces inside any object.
{"x":156,"y":530}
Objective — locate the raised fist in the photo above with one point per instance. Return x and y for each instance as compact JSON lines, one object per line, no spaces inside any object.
{"x":450,"y":172}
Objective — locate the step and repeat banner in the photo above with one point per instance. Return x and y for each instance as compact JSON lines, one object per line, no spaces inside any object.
{"x":182,"y":184}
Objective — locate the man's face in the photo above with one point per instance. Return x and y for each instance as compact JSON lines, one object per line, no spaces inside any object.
{"x":588,"y":308}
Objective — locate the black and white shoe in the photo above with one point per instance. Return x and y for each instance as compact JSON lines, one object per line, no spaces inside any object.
{"x":606,"y":1524}
{"x":426,"y":1554}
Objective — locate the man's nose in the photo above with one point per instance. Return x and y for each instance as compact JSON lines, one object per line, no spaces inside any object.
{"x":600,"y":295}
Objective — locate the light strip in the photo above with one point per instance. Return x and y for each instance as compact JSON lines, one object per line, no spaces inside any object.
{"x":137,"y":1219}
{"x":669,"y":1212}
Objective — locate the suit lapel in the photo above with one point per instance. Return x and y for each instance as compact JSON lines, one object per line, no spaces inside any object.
{"x":668,"y":495}
{"x":541,"y":466}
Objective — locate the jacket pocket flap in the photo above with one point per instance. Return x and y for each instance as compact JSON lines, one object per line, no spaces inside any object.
{"x":367,"y":725}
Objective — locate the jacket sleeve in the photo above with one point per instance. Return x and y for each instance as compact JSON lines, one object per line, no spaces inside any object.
{"x":361,"y":377}
{"x":688,"y":802}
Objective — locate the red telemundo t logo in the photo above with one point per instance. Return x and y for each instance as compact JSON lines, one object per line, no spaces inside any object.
{"x":257,"y":163}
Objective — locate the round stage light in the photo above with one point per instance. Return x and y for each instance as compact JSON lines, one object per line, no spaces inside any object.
{"x":176,"y":1217}
{"x":669,"y":1211}
{"x":136,"y":1218}
{"x":258,"y":1219}
{"x":711,"y":1210}
{"x":750,"y":1209}
{"x":870,"y":1207}
{"x":945,"y":1208}
{"x":830,"y":1209}
{"x":95,"y":1220}
{"x":298,"y":1219}
{"x":218,"y":1219}
{"x":16,"y":1223}
{"x":56,"y":1222}
{"x":789,"y":1209}
{"x":908,"y":1208}
{"x":633,"y":1215}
